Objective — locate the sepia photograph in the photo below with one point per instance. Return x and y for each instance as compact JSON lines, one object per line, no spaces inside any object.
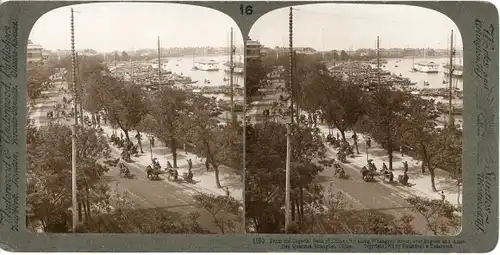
{"x":354,"y":121}
{"x":135,"y":120}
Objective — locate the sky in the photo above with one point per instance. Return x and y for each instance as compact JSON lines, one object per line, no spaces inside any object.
{"x":106,"y":27}
{"x":342,"y":26}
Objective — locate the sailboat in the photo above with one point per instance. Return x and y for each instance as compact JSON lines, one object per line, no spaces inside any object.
{"x":413,"y":69}
{"x":194,"y":66}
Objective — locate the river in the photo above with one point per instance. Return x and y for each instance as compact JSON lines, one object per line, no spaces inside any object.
{"x":184,"y":65}
{"x":435,"y":80}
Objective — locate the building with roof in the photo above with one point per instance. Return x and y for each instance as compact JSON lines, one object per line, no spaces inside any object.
{"x":253,"y":50}
{"x":34,"y":52}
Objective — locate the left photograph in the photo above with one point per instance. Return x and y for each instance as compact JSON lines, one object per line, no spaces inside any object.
{"x":135,"y":116}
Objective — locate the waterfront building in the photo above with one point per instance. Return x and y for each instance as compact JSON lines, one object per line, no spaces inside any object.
{"x":253,"y":50}
{"x":35,"y":52}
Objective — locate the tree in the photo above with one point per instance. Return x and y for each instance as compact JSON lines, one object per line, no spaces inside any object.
{"x":257,"y":72}
{"x":386,"y":113}
{"x":344,"y":56}
{"x":170,"y":108}
{"x":449,"y":144}
{"x":265,"y":173}
{"x":419,"y":131}
{"x":49,"y":175}
{"x":441,"y":216}
{"x":225,"y":211}
{"x":124,"y":104}
{"x":124,"y":56}
{"x":39,"y":80}
{"x":216,"y":143}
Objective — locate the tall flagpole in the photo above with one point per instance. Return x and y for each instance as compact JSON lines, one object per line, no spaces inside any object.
{"x":73,"y":129}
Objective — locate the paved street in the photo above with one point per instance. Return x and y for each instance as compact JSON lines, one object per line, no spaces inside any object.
{"x":370,"y":196}
{"x":160,"y":194}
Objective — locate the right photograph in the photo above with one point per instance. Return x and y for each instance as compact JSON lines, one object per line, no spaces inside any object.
{"x":354,"y":121}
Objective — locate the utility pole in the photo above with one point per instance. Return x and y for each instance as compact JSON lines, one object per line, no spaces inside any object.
{"x":231,"y":73}
{"x":73,"y":129}
{"x":378,"y":63}
{"x":298,"y":90}
{"x":287,"y":177}
{"x":290,"y":73}
{"x":288,"y":132}
{"x":451,"y":70}
{"x":80,"y":90}
{"x":159,"y":63}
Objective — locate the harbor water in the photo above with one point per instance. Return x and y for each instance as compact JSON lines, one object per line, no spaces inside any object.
{"x":184,"y":66}
{"x":404,"y":65}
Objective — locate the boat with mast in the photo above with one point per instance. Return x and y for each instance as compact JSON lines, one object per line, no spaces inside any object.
{"x":427,"y":66}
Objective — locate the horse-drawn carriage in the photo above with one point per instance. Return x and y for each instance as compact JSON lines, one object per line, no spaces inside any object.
{"x":153,"y":173}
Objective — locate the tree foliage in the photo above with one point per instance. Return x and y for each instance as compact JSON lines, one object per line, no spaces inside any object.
{"x":39,"y":80}
{"x":49,"y":174}
{"x":265,"y":173}
{"x":220,"y":144}
{"x":441,"y":216}
{"x":225,"y":211}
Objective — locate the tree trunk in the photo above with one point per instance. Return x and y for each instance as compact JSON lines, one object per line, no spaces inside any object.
{"x":423,"y":167}
{"x":433,"y":175}
{"x":389,"y":151}
{"x":79,"y":210}
{"x":301,"y":197}
{"x":173,"y":149}
{"x":139,"y":141}
{"x":87,"y":198}
{"x":217,"y":181}
{"x":126,"y":134}
{"x":356,"y":142}
{"x":342,"y":133}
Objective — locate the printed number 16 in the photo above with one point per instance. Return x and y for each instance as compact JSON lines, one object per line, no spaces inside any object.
{"x":246,"y":10}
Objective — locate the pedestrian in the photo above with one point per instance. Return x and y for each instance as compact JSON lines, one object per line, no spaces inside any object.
{"x":190,"y":164}
{"x":443,"y":198}
{"x":152,"y":141}
{"x":369,"y":142}
{"x":401,"y":150}
{"x":227,"y":191}
{"x":184,"y":147}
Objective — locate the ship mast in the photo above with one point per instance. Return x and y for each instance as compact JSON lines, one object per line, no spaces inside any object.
{"x":231,"y":73}
{"x":451,"y":70}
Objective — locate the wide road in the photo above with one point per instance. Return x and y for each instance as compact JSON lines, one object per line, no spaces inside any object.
{"x":373,"y":196}
{"x":158,"y":194}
